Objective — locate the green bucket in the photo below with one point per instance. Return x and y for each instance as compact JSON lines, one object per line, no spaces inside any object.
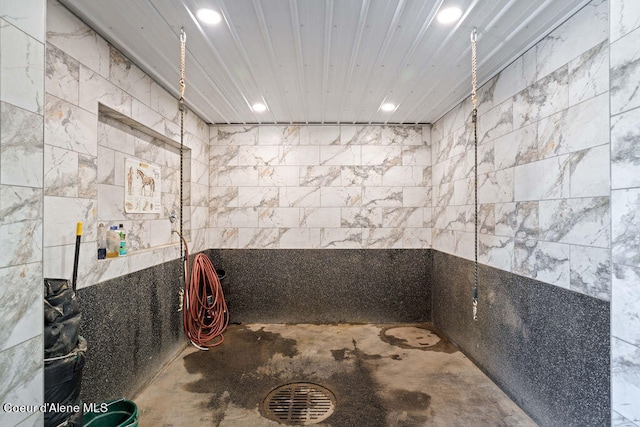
{"x":119,"y":413}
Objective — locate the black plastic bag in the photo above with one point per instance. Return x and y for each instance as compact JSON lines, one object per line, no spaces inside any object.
{"x":62,"y":380}
{"x":61,"y":318}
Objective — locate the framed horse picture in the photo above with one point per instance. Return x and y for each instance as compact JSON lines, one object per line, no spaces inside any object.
{"x":142,"y":190}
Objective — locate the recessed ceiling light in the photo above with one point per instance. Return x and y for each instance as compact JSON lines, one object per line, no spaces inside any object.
{"x":449,"y":15}
{"x":387,"y":106}
{"x":209,"y":16}
{"x":258,"y":107}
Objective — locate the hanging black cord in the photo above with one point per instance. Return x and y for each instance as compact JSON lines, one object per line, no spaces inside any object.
{"x":474,"y":117}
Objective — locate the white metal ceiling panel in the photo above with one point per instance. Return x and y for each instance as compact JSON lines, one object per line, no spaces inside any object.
{"x":322,"y":61}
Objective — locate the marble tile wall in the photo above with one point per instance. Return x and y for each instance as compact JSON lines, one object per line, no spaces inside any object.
{"x":84,"y":153}
{"x":320,"y":187}
{"x":543,"y":153}
{"x":22,"y":63}
{"x":625,"y":205}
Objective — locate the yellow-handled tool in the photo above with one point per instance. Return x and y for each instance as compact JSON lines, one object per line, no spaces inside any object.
{"x":77,"y":255}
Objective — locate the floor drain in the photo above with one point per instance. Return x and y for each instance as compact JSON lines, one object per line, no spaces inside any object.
{"x":299,"y":404}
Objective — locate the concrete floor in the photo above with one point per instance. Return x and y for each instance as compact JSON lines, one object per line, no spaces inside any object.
{"x":393,"y":375}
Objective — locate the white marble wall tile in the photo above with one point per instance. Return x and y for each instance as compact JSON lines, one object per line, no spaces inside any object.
{"x":279,"y":176}
{"x":582,"y":126}
{"x":106,"y":166}
{"x":237,"y":135}
{"x":199,"y":219}
{"x":63,"y":213}
{"x":238,"y":176}
{"x":590,"y":172}
{"x":35,"y":420}
{"x":496,"y":122}
{"x":20,"y":204}
{"x":589,"y":74}
{"x":496,"y":251}
{"x":416,"y":238}
{"x":426,"y":135}
{"x":260,"y":238}
{"x":625,"y":303}
{"x":147,"y":117}
{"x":22,"y":312}
{"x":27,"y":15}
{"x":22,"y":377}
{"x":126,"y":75}
{"x":291,"y":155}
{"x":237,"y":217}
{"x":584,"y":30}
{"x":220,"y":155}
{"x":443,"y":195}
{"x":463,"y":245}
{"x":62,"y":75}
{"x":223,"y":238}
{"x":115,"y":135}
{"x":21,"y":147}
{"x":416,"y":196}
{"x":618,"y":420}
{"x":320,"y":217}
{"x":361,"y":217}
{"x":94,"y":89}
{"x":61,"y":172}
{"x":320,"y":135}
{"x":382,"y":238}
{"x":625,"y":150}
{"x":262,"y":155}
{"x":360,"y":135}
{"x":382,"y":196}
{"x":226,"y":197}
{"x":22,"y":69}
{"x":516,"y":148}
{"x":517,"y":76}
{"x":335,"y":155}
{"x":546,"y":179}
{"x":625,"y":73}
{"x":340,"y":196}
{"x":303,"y":197}
{"x":199,"y":172}
{"x":591,"y":271}
{"x":87,"y":176}
{"x":496,"y":187}
{"x":146,"y":259}
{"x":625,"y":379}
{"x":427,"y":214}
{"x":517,"y":220}
{"x":625,"y":17}
{"x":258,"y":196}
{"x":279,"y":135}
{"x":361,"y":175}
{"x":402,"y":217}
{"x":544,"y":261}
{"x":69,"y":127}
{"x":443,"y":240}
{"x":578,"y":221}
{"x":300,"y":238}
{"x":409,"y":176}
{"x":625,"y":226}
{"x":110,"y":202}
{"x":165,"y":103}
{"x":333,"y":238}
{"x":26,"y":242}
{"x":316,"y":176}
{"x":401,"y":135}
{"x":416,"y":155}
{"x":67,"y":32}
{"x":544,"y":98}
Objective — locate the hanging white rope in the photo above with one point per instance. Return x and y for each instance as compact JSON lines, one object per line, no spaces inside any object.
{"x":474,"y":102}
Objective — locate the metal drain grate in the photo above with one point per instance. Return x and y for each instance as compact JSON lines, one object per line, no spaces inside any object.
{"x":299,"y":404}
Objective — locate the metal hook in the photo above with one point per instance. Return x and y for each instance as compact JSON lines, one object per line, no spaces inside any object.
{"x":183,"y":35}
{"x":474,"y":36}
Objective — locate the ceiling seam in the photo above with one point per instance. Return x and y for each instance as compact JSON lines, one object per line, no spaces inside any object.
{"x":364,"y":9}
{"x":293,"y":8}
{"x":266,"y":37}
{"x":328,"y":20}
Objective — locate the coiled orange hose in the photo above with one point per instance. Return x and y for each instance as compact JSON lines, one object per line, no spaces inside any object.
{"x":204,"y":319}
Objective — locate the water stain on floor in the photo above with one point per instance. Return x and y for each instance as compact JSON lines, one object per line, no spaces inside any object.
{"x":381,"y":375}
